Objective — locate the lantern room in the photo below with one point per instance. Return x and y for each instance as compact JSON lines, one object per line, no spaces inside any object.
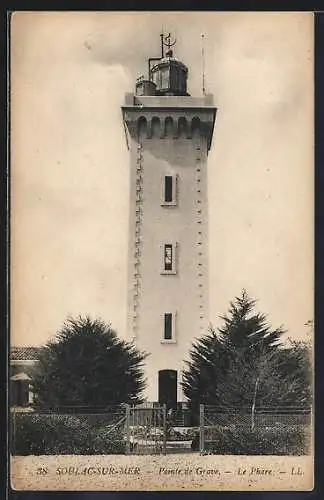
{"x":166,"y":75}
{"x":170,"y":77}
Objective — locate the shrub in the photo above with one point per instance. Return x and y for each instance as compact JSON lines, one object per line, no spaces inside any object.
{"x":183,"y":434}
{"x":62,"y":435}
{"x":107,"y":442}
{"x":195,"y":443}
{"x":261,"y":441}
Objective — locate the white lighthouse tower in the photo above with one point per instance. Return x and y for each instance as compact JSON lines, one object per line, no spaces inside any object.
{"x":169,"y":135}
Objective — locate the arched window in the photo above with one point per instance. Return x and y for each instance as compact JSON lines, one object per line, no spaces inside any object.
{"x":168,"y":127}
{"x":195,"y":126}
{"x":182,"y":127}
{"x":155,"y":127}
{"x":21,"y":394}
{"x":142,"y":127}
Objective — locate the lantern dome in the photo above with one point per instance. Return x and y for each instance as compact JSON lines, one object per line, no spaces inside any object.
{"x":166,"y":75}
{"x":170,"y":76}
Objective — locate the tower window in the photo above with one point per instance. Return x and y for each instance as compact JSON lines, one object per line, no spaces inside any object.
{"x":169,"y":190}
{"x":168,"y":258}
{"x":168,"y":326}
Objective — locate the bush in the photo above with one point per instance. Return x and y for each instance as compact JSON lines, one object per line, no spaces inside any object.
{"x":183,"y":434}
{"x":261,"y":441}
{"x":195,"y":443}
{"x":107,"y":442}
{"x":62,"y":435}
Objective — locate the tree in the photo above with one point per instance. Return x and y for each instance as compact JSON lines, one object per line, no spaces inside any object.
{"x":88,"y":365}
{"x":244,"y":365}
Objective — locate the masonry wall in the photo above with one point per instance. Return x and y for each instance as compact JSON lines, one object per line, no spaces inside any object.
{"x":150,"y":293}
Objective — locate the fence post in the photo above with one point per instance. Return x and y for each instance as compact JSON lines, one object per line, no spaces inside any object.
{"x":201,"y":428}
{"x":164,"y":429}
{"x":13,"y":432}
{"x":253,"y":404}
{"x":127,"y":429}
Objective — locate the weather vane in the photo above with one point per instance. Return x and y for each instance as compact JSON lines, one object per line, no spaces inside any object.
{"x":166,"y":41}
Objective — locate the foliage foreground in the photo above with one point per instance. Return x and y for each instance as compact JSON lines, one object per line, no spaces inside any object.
{"x":87,"y":365}
{"x":244,"y":365}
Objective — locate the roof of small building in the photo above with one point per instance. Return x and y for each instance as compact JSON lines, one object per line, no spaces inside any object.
{"x":24,"y":353}
{"x":20,"y":376}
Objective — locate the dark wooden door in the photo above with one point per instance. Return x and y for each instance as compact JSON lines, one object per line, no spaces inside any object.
{"x":168,"y":388}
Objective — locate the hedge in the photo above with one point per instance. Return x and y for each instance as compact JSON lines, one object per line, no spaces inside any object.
{"x":34,"y":434}
{"x":261,"y":441}
{"x":62,"y":435}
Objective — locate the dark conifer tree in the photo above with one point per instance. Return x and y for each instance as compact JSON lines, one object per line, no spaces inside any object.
{"x":244,"y":365}
{"x":87,"y":366}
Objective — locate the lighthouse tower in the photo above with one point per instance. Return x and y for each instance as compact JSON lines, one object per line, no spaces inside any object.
{"x":169,"y":134}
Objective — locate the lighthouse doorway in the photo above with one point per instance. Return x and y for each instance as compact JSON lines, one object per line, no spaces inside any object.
{"x":168,"y":381}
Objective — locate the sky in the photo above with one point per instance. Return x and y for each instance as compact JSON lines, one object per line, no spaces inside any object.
{"x":70,"y":164}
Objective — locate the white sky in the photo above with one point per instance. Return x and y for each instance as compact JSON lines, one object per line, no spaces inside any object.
{"x":70,"y":165}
